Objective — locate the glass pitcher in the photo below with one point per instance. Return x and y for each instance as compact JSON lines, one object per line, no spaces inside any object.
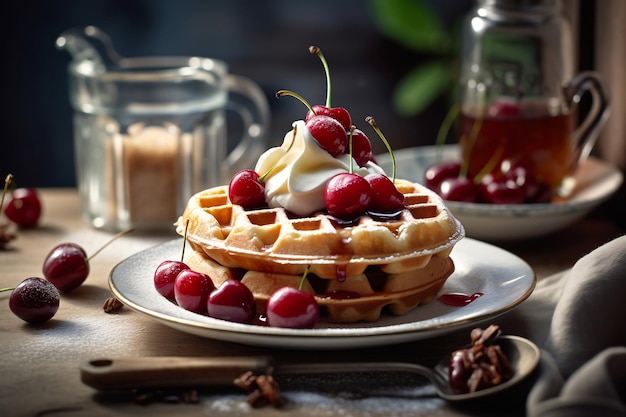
{"x":519,"y":93}
{"x":151,"y":131}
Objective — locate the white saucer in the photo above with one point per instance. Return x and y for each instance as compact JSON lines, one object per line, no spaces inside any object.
{"x":596,"y":181}
{"x":504,"y":279}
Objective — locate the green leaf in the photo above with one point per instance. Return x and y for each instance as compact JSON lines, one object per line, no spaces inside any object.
{"x":419,"y":88}
{"x":411,"y":23}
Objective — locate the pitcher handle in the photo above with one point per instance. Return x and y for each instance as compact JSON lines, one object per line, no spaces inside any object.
{"x":248,"y":100}
{"x":585,"y":135}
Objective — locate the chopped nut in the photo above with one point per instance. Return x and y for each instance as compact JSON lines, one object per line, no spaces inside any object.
{"x":262,"y":389}
{"x":269,"y":388}
{"x":484,"y":362}
{"x":112,"y":305}
{"x":190,"y":397}
{"x":5,"y":235}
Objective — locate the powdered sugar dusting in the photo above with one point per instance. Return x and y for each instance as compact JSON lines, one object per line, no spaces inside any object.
{"x":38,"y":292}
{"x":413,"y":403}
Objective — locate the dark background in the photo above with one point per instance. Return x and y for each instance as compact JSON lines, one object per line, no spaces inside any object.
{"x":266,"y":41}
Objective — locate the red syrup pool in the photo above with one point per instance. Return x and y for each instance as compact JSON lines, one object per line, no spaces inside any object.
{"x":459,"y":299}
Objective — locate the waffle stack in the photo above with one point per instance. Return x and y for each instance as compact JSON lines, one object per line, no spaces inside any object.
{"x":354,"y":269}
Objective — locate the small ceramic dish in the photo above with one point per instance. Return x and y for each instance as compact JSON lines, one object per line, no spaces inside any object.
{"x":596,"y":181}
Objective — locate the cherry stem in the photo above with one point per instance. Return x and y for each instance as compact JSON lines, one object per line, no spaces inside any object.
{"x":293,"y":139}
{"x":120,"y":234}
{"x":281,"y":93}
{"x":317,"y":51}
{"x":372,"y":122}
{"x":445,"y":127}
{"x":350,"y":148}
{"x":7,"y":181}
{"x":7,"y":289}
{"x":182,"y":252}
{"x":476,"y":127}
{"x":304,"y":274}
{"x":490,"y":165}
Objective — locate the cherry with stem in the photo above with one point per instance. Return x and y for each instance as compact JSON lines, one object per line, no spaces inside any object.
{"x":67,"y":264}
{"x":247,"y":189}
{"x":35,"y":300}
{"x":5,"y":234}
{"x":347,"y":195}
{"x":167,"y":271}
{"x":292,"y":307}
{"x":317,"y":51}
{"x":24,"y":207}
{"x":385,"y":196}
{"x":339,"y":113}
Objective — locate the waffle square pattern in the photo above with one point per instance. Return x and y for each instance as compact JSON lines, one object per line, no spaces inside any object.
{"x":356,"y":269}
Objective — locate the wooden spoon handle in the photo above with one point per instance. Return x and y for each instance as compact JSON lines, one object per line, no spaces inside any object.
{"x":152,"y":372}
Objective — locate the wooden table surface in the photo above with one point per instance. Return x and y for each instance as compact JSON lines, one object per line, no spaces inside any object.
{"x":39,"y":369}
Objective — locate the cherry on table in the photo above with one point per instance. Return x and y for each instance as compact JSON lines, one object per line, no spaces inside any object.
{"x":292,"y":308}
{"x":24,"y":207}
{"x":67,"y":265}
{"x":347,"y":196}
{"x":246,"y":189}
{"x":34,"y":300}
{"x":192,"y":289}
{"x":232,"y":301}
{"x":165,"y":276}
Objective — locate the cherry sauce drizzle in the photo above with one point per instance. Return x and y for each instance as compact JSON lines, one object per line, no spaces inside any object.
{"x":459,"y":299}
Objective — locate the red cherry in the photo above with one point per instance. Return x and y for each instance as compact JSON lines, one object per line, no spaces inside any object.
{"x":292,"y":308}
{"x":165,"y":275}
{"x":34,"y":300}
{"x":458,"y":374}
{"x":538,"y":193}
{"x":534,"y":192}
{"x":245,"y":189}
{"x":435,"y":174}
{"x":503,"y":192}
{"x":232,"y":301}
{"x":192,"y":289}
{"x":361,"y":148}
{"x":385,"y":196}
{"x":329,"y":134}
{"x":338,"y":113}
{"x":504,"y":107}
{"x":24,"y":208}
{"x":66,"y":266}
{"x":459,"y":189}
{"x":347,"y":196}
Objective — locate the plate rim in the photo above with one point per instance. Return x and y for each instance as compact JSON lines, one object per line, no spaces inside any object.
{"x":302,"y":338}
{"x":557,"y":208}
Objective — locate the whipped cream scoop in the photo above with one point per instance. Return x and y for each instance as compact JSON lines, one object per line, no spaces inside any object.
{"x":300,"y":170}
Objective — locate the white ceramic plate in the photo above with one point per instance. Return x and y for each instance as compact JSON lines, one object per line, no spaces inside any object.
{"x":596,"y":180}
{"x":503,"y":278}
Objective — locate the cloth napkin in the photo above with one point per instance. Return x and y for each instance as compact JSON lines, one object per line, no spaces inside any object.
{"x":578,"y":317}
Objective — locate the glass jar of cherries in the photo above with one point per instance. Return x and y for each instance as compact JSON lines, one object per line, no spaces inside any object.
{"x":519,"y":95}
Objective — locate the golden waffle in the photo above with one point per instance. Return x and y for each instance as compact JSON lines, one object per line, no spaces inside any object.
{"x":357,"y":298}
{"x":272,"y":240}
